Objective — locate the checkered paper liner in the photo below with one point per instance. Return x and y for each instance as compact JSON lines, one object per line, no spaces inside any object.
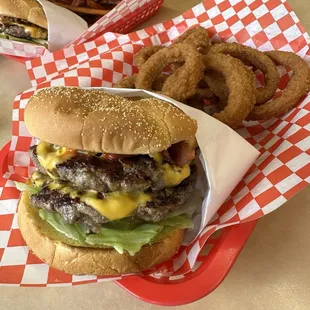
{"x":266,"y":25}
{"x":124,"y":17}
{"x":281,"y":171}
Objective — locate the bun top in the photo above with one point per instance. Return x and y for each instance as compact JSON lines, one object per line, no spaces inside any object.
{"x":29,"y":10}
{"x":93,"y":120}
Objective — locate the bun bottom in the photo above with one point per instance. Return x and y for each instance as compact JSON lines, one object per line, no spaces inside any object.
{"x":90,"y":261}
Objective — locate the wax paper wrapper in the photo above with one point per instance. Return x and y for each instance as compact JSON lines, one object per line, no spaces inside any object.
{"x":282,"y":169}
{"x":68,"y":29}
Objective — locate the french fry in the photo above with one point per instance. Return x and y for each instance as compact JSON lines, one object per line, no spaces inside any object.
{"x":82,"y":10}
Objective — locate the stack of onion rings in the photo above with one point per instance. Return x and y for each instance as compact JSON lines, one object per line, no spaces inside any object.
{"x":219,"y":79}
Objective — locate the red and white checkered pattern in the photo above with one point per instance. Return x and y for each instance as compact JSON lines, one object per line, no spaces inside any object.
{"x":265,"y":25}
{"x":20,"y":49}
{"x":127,"y":15}
{"x":282,"y":170}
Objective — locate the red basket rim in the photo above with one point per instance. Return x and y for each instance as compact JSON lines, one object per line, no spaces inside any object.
{"x":209,"y":275}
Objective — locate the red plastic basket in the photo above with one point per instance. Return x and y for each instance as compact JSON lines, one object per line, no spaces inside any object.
{"x":221,"y":250}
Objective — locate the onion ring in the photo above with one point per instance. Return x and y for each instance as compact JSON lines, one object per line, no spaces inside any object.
{"x":204,"y":104}
{"x":199,"y":99}
{"x":297,"y":87}
{"x":197,"y":37}
{"x":145,"y":53}
{"x":241,"y":84}
{"x":204,"y":93}
{"x":258,"y":60}
{"x":159,"y":82}
{"x":182,"y":83}
{"x":127,"y":82}
{"x":217,"y":84}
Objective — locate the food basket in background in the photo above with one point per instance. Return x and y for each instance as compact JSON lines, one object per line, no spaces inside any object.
{"x":125,"y":16}
{"x":282,"y":169}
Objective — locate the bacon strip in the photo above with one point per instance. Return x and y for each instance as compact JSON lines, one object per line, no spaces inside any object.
{"x":179,"y":154}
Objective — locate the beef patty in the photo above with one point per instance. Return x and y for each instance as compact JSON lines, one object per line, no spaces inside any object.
{"x":75,"y":211}
{"x":130,"y":174}
{"x":7,"y":26}
{"x":15,"y":31}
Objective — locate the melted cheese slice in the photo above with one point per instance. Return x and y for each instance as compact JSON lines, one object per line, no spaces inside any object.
{"x":39,"y":179}
{"x":174,"y":175}
{"x":116,"y":205}
{"x":113,"y":206}
{"x":49,"y":156}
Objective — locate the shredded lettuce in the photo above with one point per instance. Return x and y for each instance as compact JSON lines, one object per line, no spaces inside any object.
{"x":122,"y":235}
{"x":32,"y":189}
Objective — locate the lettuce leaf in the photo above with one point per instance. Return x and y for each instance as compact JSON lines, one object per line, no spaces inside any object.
{"x":130,"y":240}
{"x":170,"y":224}
{"x":122,"y":235}
{"x":40,"y":42}
{"x":73,"y":231}
{"x":31,"y":41}
{"x":180,"y":221}
{"x":32,"y":189}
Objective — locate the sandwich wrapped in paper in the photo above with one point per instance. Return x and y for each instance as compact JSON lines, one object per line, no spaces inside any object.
{"x":38,"y":23}
{"x":29,"y":30}
{"x":23,"y":21}
{"x":119,"y":186}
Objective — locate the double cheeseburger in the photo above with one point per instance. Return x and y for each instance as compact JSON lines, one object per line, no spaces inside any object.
{"x":112,"y":176}
{"x":24,"y":21}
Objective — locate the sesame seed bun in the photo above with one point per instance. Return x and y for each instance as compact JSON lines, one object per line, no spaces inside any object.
{"x":97,"y":261}
{"x":29,"y":10}
{"x":93,"y":120}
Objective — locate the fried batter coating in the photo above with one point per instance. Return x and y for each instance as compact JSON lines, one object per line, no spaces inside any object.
{"x":259,"y":61}
{"x":241,"y":84}
{"x":182,"y":83}
{"x":145,"y":53}
{"x":297,"y":87}
{"x":197,"y":37}
{"x":127,"y":82}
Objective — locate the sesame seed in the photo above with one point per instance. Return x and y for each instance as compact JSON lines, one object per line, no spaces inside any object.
{"x":139,"y":118}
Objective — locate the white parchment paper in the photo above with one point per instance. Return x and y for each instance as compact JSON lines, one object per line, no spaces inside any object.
{"x":63,"y":25}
